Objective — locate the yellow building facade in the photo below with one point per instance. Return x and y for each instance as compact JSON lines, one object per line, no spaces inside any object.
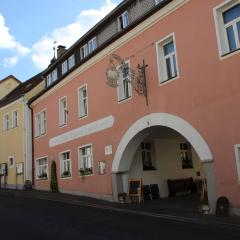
{"x":16,"y":134}
{"x":7,"y":85}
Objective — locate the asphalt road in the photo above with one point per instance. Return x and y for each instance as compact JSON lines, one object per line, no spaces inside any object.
{"x":41,"y":219}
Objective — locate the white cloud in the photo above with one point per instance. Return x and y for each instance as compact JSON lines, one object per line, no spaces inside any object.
{"x":10,"y":62}
{"x":42,"y":51}
{"x":7,"y":41}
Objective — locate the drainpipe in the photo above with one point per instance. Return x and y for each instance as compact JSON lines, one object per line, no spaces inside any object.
{"x":32,"y":144}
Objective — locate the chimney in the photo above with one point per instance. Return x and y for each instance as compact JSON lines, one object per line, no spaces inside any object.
{"x":61,"y":50}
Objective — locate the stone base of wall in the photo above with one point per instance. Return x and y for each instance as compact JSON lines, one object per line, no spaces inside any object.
{"x":235,"y":212}
{"x":12,"y":186}
{"x":86,"y":194}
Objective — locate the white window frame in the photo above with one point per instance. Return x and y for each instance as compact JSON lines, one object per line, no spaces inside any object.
{"x":92,"y":45}
{"x":49,"y":79}
{"x":64,"y":67}
{"x":62,"y":164}
{"x":15,"y":118}
{"x":11,"y":165}
{"x":81,"y":100}
{"x":237,"y":155}
{"x":161,"y":59}
{"x":40,"y":123}
{"x":71,"y":61}
{"x":158,"y":1}
{"x":92,"y":163}
{"x":123,"y":22}
{"x":6,"y":121}
{"x":121,"y":84}
{"x":43,"y":122}
{"x":37,"y":168}
{"x":222,"y":39}
{"x":37,"y":124}
{"x":84,"y":51}
{"x":63,"y":113}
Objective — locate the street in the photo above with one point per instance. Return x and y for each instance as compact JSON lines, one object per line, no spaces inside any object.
{"x":25,"y":218}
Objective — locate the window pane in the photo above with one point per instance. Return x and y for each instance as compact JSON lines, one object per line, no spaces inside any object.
{"x":238,"y":27}
{"x":231,"y":14}
{"x":175,"y":65}
{"x":231,"y":38}
{"x":168,"y":65}
{"x":168,"y":48}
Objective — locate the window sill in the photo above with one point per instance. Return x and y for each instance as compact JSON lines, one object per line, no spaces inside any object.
{"x":150,"y":169}
{"x":124,"y":100}
{"x":229,"y":54}
{"x":41,"y":179}
{"x":66,"y":177}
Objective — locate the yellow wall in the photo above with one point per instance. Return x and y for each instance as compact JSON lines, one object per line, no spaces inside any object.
{"x":12,"y":142}
{"x":7,"y":86}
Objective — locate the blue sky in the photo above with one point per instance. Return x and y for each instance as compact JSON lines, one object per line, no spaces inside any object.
{"x":28,"y":29}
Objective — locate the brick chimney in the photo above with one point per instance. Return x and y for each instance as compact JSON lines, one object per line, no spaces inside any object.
{"x":61,"y":50}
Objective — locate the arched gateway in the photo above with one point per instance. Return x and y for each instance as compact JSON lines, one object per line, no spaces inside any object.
{"x":138,"y":131}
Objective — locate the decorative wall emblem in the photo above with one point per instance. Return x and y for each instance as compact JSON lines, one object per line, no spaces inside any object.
{"x":138,"y":76}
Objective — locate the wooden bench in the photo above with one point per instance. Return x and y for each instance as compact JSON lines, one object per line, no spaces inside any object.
{"x":178,"y":186}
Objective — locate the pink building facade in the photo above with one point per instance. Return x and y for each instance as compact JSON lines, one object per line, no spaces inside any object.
{"x":186,"y":126}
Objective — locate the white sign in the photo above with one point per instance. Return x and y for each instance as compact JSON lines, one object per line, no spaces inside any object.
{"x":19,"y":168}
{"x":82,"y":131}
{"x":108,"y":150}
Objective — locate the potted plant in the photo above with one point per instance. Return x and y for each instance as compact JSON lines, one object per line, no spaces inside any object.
{"x":66,"y":174}
{"x":43,"y":176}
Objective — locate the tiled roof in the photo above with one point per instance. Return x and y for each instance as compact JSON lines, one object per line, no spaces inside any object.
{"x":22,"y":89}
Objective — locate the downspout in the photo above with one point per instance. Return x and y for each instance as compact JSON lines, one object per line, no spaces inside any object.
{"x":33,"y":173}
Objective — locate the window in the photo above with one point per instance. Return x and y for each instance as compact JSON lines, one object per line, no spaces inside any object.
{"x":85,"y":160}
{"x":84,"y":51}
{"x":15,"y":119}
{"x":147,"y":156}
{"x":65,"y":164}
{"x":92,"y":45}
{"x":6,"y":121}
{"x":124,"y":82}
{"x":64,"y":67}
{"x":37,"y":125}
{"x":227,"y":20}
{"x":123,"y":21}
{"x":43,"y":122}
{"x":71,"y":61}
{"x":51,"y":77}
{"x":237,"y":154}
{"x":40,"y":123}
{"x":88,"y":48}
{"x":82,"y":102}
{"x":186,"y":155}
{"x":158,"y":1}
{"x":42,"y":169}
{"x":10,"y":162}
{"x":167,"y":59}
{"x":63,"y":111}
{"x":68,"y":64}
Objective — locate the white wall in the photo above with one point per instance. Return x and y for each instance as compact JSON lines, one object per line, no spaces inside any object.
{"x":168,"y":165}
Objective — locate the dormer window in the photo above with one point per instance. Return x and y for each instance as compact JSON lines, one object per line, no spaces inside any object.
{"x":158,"y":1}
{"x":68,"y":64}
{"x":51,"y":77}
{"x":123,"y":21}
{"x":88,"y":48}
{"x":92,"y":45}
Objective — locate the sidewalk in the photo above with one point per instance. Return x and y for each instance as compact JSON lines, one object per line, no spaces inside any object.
{"x":146,"y":208}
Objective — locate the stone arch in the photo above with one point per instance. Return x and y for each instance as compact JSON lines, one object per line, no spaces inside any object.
{"x":135,"y":134}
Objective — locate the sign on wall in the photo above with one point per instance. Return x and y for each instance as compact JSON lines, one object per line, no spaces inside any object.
{"x":19,"y":168}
